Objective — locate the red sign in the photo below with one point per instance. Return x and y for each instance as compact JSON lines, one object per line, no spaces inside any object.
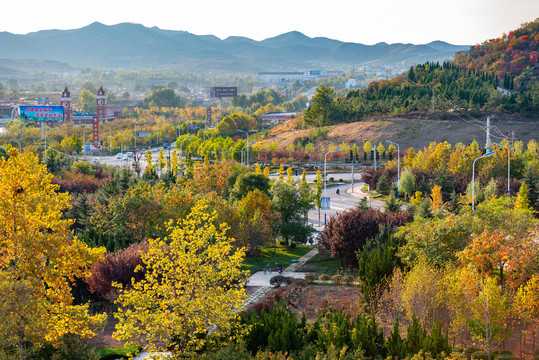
{"x":95,"y":122}
{"x":208,"y":116}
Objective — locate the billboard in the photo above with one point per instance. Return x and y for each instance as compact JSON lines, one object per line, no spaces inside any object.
{"x":41,"y":113}
{"x":223,"y":91}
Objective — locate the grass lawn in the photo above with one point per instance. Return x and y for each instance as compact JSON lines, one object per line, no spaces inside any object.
{"x":284,"y":257}
{"x":325,"y":264}
{"x":117,"y":352}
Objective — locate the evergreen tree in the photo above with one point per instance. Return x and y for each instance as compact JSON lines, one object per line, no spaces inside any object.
{"x":415,"y":336}
{"x":395,"y":344}
{"x":437,"y":343}
{"x":382,"y":186}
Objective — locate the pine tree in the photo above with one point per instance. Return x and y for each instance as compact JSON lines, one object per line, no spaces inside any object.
{"x":382,"y":186}
{"x":396,"y":346}
{"x":415,"y":336}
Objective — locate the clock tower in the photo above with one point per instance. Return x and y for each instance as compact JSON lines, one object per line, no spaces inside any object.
{"x":101,"y":101}
{"x":65,"y":101}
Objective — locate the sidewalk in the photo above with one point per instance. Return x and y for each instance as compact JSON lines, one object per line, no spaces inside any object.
{"x":262,"y":280}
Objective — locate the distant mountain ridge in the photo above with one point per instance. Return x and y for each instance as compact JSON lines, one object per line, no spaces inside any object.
{"x":135,"y":46}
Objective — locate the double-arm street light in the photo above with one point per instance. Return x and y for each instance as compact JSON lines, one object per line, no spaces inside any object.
{"x":473,"y":177}
{"x":20,"y":148}
{"x":508,"y":166}
{"x":181,"y":144}
{"x":246,"y":146}
{"x":325,"y":189}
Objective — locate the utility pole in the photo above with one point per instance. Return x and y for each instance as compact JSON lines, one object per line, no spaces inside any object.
{"x":487,"y":144}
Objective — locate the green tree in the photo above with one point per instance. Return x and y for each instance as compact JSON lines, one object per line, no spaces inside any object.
{"x":292,"y":204}
{"x":324,"y":108}
{"x":407,"y":183}
{"x":163,"y":97}
{"x":88,"y":101}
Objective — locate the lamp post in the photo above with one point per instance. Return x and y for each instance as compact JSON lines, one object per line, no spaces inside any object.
{"x":181,"y":144}
{"x":398,"y":161}
{"x":20,"y":148}
{"x":246,"y":141}
{"x":325,"y":189}
{"x":247,"y":146}
{"x":110,"y":138}
{"x":508,"y":166}
{"x":473,"y":177}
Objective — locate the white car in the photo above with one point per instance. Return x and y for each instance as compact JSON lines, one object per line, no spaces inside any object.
{"x":129,"y":154}
{"x":119,"y":156}
{"x":125,"y":157}
{"x":96,"y":160}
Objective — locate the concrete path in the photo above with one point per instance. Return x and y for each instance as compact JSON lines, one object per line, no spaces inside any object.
{"x":262,"y":280}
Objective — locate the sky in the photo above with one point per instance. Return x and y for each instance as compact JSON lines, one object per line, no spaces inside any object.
{"x":460,"y":22}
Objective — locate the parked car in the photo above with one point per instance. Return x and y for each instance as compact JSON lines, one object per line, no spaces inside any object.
{"x":96,"y":160}
{"x":119,"y":156}
{"x":125,"y":157}
{"x":129,"y":154}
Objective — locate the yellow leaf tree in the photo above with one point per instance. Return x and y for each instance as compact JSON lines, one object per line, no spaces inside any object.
{"x":193,"y":284}
{"x":436,"y":198}
{"x":39,"y":258}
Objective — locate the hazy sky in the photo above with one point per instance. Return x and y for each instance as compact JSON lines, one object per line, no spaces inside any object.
{"x":463,"y":22}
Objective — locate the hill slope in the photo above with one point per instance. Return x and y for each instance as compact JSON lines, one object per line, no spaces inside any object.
{"x":407,"y":132}
{"x":130,"y":45}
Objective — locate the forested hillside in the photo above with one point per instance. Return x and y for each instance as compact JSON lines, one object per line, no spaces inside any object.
{"x":484,"y":79}
{"x":511,"y":53}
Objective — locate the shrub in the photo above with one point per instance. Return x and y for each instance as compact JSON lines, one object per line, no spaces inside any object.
{"x":469,"y":351}
{"x":278,"y":280}
{"x":72,"y":347}
{"x":337,"y":279}
{"x":480,"y":355}
{"x":116,"y":267}
{"x":348,"y":232}
{"x":310,"y":277}
{"x":348,"y":279}
{"x":323,"y":277}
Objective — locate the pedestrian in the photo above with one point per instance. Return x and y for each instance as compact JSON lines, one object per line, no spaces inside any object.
{"x":338,"y":192}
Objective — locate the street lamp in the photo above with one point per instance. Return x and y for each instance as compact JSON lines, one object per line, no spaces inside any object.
{"x":508,"y":166}
{"x":246,"y":146}
{"x":20,"y":148}
{"x":473,"y":177}
{"x":246,"y":141}
{"x":325,"y":190}
{"x":181,"y":143}
{"x":398,"y":160}
{"x":110,"y":138}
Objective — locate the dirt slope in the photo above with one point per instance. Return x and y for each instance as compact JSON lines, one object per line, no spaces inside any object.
{"x":409,"y":132}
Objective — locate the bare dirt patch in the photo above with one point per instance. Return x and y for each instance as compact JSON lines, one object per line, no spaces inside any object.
{"x":408,"y":132}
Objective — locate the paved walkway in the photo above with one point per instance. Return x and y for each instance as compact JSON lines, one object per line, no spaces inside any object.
{"x":262,"y":280}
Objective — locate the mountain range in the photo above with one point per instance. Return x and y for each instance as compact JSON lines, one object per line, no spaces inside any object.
{"x":134,"y":46}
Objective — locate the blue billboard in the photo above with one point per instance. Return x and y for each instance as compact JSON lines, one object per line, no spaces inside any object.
{"x":41,"y":113}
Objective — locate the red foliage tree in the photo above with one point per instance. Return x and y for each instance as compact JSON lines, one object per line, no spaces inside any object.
{"x":116,"y":267}
{"x":348,"y":232}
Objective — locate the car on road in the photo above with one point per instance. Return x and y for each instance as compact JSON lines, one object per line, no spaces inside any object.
{"x":95,"y":160}
{"x":129,"y":154}
{"x":119,"y":156}
{"x":125,"y":157}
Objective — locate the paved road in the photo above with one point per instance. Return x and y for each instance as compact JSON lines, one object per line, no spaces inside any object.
{"x":346,"y":200}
